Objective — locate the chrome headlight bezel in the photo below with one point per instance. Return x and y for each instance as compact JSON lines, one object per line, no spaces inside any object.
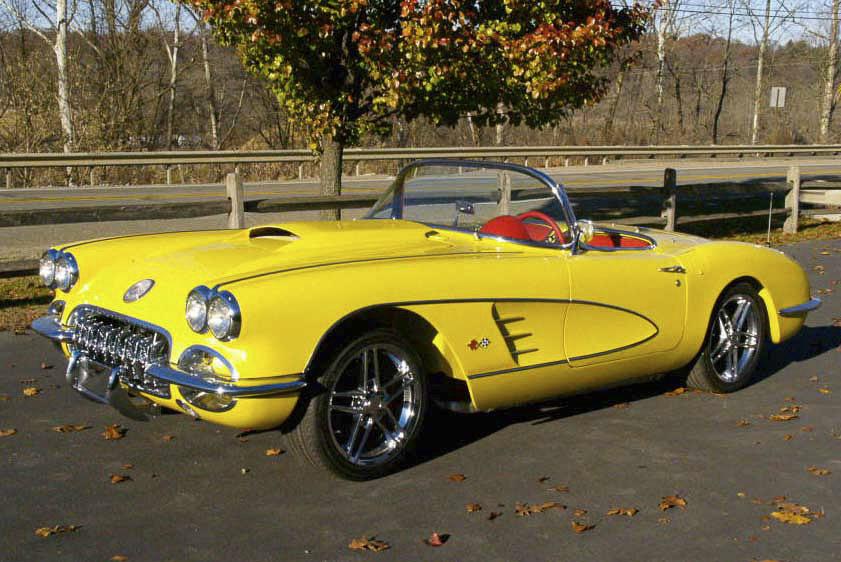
{"x":223,"y":304}
{"x":66,"y":272}
{"x":46,"y":267}
{"x":200,"y":298}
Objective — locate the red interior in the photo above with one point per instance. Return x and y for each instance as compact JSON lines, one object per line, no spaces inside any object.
{"x":616,"y":241}
{"x":507,"y":227}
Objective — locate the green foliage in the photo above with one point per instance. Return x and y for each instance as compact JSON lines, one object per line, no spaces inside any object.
{"x":343,"y":68}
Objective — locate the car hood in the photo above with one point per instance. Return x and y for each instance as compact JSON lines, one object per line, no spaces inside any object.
{"x":178,"y":262}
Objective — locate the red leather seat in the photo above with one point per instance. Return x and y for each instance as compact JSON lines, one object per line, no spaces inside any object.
{"x":507,"y":227}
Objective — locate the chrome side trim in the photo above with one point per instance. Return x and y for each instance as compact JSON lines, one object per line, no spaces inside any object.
{"x":517,"y":369}
{"x":180,"y":378}
{"x":801,"y":309}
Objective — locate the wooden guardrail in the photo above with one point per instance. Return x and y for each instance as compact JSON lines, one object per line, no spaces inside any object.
{"x":235,"y":207}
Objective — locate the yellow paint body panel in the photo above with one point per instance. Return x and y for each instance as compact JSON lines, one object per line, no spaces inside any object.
{"x":556,"y":323}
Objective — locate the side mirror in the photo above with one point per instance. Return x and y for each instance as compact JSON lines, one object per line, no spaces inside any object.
{"x":584,"y":232}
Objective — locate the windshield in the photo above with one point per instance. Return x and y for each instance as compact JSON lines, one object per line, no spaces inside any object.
{"x":483,"y":198}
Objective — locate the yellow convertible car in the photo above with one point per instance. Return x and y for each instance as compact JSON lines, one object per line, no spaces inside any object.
{"x":470,"y":286}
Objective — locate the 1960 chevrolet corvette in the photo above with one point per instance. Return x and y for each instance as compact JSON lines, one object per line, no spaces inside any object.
{"x":469,"y":285}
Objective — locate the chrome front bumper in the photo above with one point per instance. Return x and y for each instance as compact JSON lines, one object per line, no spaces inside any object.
{"x":801,"y":309}
{"x":82,"y":372}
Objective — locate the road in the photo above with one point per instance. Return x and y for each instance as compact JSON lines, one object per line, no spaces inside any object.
{"x":29,"y":242}
{"x":197,"y":492}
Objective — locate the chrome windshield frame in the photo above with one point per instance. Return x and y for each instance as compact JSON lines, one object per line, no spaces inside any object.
{"x":396,"y":190}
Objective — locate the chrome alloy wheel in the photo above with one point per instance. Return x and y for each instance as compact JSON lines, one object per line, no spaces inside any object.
{"x":734,"y":337}
{"x":373,"y":404}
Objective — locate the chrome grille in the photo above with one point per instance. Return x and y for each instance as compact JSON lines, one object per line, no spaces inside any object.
{"x":121,"y":343}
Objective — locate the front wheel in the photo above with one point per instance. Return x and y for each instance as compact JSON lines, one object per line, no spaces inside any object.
{"x":366,"y":421}
{"x":734,"y":344}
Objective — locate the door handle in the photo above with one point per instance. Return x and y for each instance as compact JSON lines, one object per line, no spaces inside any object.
{"x":673,"y":269}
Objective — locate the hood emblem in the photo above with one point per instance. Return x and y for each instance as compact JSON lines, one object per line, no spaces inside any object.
{"x":138,"y":290}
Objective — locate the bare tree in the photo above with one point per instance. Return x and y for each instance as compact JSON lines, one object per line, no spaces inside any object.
{"x":172,"y":50}
{"x":664,"y":25}
{"x":726,"y":72}
{"x":829,"y":98}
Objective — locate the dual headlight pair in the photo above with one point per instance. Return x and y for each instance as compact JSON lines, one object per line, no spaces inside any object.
{"x":218,"y":312}
{"x":58,"y":270}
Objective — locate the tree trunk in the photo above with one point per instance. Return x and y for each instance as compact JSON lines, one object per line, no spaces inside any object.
{"x":173,"y":76}
{"x":212,"y":106}
{"x":828,"y":102}
{"x":725,"y":78}
{"x":607,"y":133}
{"x":331,"y":173}
{"x":499,"y":136}
{"x":60,"y":50}
{"x":662,"y":29}
{"x":760,"y":64}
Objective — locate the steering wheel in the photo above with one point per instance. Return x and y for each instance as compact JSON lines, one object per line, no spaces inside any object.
{"x":543,"y":217}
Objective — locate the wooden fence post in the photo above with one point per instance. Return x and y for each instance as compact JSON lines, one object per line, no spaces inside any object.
{"x":504,"y":184}
{"x":669,"y":210}
{"x":8,"y":178}
{"x":793,"y":200}
{"x":233,"y":185}
{"x":301,"y":171}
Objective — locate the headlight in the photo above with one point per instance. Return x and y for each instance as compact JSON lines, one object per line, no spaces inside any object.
{"x":46,"y":267}
{"x":223,"y":316}
{"x":196,"y":311}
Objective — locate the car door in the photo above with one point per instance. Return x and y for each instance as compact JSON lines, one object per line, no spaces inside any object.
{"x":625,"y":304}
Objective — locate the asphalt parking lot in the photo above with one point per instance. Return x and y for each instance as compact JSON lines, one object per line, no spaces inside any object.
{"x":201,"y":492}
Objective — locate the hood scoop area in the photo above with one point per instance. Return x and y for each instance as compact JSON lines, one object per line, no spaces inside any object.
{"x":274,"y":232}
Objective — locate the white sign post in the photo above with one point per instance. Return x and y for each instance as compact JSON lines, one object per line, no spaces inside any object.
{"x":778,"y":97}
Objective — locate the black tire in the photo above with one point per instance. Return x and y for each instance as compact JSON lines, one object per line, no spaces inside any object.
{"x":344,"y":415}
{"x":713,"y":369}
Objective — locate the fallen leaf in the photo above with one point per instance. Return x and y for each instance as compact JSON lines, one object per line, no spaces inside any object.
{"x":819,"y":471}
{"x":824,"y":391}
{"x":168,"y":438}
{"x":127,"y":466}
{"x":622,"y":405}
{"x":676,"y":392}
{"x":114,"y":432}
{"x":581,"y":527}
{"x":69,"y":427}
{"x":494,"y":514}
{"x":31,"y":391}
{"x":119,"y":558}
{"x":473,"y":507}
{"x":580,"y":512}
{"x":365,"y":543}
{"x":457,"y":477}
{"x":783,"y":417}
{"x":807,"y":429}
{"x":669,"y":502}
{"x":542,"y":479}
{"x":815,"y":378}
{"x":629,"y":511}
{"x":743,"y":423}
{"x":663,"y":521}
{"x":560,"y":489}
{"x":524,"y":509}
{"x":273,"y":452}
{"x":788,"y":437}
{"x":5,"y":397}
{"x":741,"y":494}
{"x":8,"y":432}
{"x":117,"y":478}
{"x":790,"y":517}
{"x":436,"y":539}
{"x":45,"y":366}
{"x":47,"y":531}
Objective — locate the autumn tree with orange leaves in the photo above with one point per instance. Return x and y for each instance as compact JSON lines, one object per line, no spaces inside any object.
{"x":344,"y":68}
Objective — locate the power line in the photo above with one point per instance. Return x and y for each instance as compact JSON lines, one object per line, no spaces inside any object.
{"x":758,"y":14}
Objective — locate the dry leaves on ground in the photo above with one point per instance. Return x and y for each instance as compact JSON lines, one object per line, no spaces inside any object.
{"x":559,"y":489}
{"x":622,"y":405}
{"x":824,"y":391}
{"x":119,"y":558}
{"x":8,"y":432}
{"x":30,"y":391}
{"x":786,"y":414}
{"x":669,"y":502}
{"x":524,"y":509}
{"x":579,"y":527}
{"x":168,"y":438}
{"x":127,"y":466}
{"x":792,"y":514}
{"x":47,"y":531}
{"x":579,"y":512}
{"x":818,"y":471}
{"x":676,"y":392}
{"x":629,"y":511}
{"x":493,"y":515}
{"x":114,"y":432}
{"x":457,"y":477}
{"x":473,"y":507}
{"x":436,"y":539}
{"x":743,"y":423}
{"x":788,"y":437}
{"x":368,"y":543}
{"x":117,"y":478}
{"x":70,"y":427}
{"x":273,"y":452}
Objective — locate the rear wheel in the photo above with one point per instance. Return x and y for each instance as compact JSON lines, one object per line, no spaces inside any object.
{"x":366,"y":422}
{"x":734,"y":344}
